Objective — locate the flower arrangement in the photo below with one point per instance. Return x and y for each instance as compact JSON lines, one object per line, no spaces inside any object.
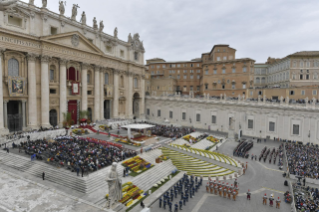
{"x":79,"y":131}
{"x":131,"y":194}
{"x":186,"y":145}
{"x":126,"y":141}
{"x":137,"y":164}
{"x":212,"y":139}
{"x":163,"y":157}
{"x":104,"y":127}
{"x":189,"y":137}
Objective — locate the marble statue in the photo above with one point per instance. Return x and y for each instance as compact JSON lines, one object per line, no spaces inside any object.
{"x":207,"y":96}
{"x":74,"y":11}
{"x":31,"y":2}
{"x":83,"y":19}
{"x":101,"y":26}
{"x":281,"y":99}
{"x":258,"y":98}
{"x":130,"y":39}
{"x":115,"y":32}
{"x":94,"y":23}
{"x":287,"y":100}
{"x":313,"y":101}
{"x":61,"y":7}
{"x":115,"y":186}
{"x":44,"y":3}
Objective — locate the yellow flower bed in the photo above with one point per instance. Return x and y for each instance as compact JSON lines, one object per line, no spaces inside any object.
{"x":212,"y":139}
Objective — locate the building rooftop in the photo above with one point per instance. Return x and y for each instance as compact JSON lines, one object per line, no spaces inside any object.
{"x":305,"y":53}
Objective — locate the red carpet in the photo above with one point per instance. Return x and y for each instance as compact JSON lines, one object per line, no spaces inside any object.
{"x":103,"y":133}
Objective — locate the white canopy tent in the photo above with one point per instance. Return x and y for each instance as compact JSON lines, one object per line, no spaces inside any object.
{"x":137,"y":127}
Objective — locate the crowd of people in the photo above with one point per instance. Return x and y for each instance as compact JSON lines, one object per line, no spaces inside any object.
{"x":307,"y":199}
{"x":303,"y":160}
{"x":171,"y":131}
{"x":75,"y":154}
{"x":242,"y":148}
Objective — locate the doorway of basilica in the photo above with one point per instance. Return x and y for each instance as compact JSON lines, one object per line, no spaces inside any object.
{"x":15,"y":121}
{"x":136,"y":104}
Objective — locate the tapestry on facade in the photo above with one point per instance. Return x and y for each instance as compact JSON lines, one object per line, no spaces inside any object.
{"x":16,"y":86}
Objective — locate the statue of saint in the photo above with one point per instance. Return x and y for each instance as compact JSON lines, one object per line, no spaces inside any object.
{"x":61,"y":8}
{"x":130,"y":39}
{"x":115,"y":186}
{"x":115,"y":32}
{"x":83,"y":19}
{"x":101,"y":26}
{"x":44,"y":3}
{"x":74,"y":11}
{"x":94,"y":23}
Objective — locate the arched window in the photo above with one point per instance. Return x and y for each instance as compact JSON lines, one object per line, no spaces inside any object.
{"x":89,"y":78}
{"x":53,"y":118}
{"x":106,"y":78}
{"x":135,"y":83}
{"x":52,"y":68}
{"x":136,"y":55}
{"x":122,"y":81}
{"x":13,"y":68}
{"x":73,"y":74}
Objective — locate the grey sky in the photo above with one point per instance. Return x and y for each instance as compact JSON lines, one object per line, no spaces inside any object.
{"x":184,"y":29}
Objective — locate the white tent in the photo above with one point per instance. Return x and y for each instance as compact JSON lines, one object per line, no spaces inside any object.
{"x":137,"y":127}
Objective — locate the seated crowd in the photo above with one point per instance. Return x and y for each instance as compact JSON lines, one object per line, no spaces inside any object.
{"x":76,"y":154}
{"x":303,"y":160}
{"x":171,"y":131}
{"x":308,"y":202}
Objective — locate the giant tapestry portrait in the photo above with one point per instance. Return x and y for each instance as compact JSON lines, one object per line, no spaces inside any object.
{"x":16,"y":86}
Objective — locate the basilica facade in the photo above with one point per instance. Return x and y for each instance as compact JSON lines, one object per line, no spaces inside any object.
{"x":52,"y":65}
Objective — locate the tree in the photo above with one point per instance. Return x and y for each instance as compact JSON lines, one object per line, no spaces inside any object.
{"x":67,"y":119}
{"x":83,"y":114}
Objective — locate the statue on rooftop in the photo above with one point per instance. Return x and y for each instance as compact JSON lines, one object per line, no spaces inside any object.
{"x":61,"y":7}
{"x":94,"y":23}
{"x":101,"y":26}
{"x":115,"y":32}
{"x":44,"y":3}
{"x":83,"y":19}
{"x":74,"y":11}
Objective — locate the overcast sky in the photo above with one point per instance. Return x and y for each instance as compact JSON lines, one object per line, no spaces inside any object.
{"x":184,"y":29}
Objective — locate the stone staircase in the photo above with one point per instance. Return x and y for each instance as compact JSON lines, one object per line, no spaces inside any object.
{"x":61,"y":176}
{"x":147,"y":179}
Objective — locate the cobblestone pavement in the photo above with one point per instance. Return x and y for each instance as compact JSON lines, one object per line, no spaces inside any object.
{"x":260,"y":178}
{"x":20,"y":195}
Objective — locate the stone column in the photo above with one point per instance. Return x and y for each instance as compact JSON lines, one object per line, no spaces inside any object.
{"x":3,"y":114}
{"x":84,"y":105}
{"x":5,"y":109}
{"x":32,"y":92}
{"x":129,"y":98}
{"x":102,"y":95}
{"x":45,"y":104}
{"x":23,"y":114}
{"x":142,"y":101}
{"x":97,"y":93}
{"x":63,"y":90}
{"x":116,"y":94}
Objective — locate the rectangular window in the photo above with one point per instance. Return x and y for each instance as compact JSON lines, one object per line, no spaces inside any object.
{"x":106,"y":79}
{"x":314,"y":92}
{"x":52,"y":91}
{"x":191,"y":88}
{"x":307,"y":76}
{"x":159,"y":113}
{"x":244,"y":86}
{"x":206,"y":72}
{"x":185,"y":71}
{"x":225,"y":58}
{"x":224,"y":71}
{"x":218,"y":58}
{"x":223,"y":86}
{"x":244,"y":69}
{"x":301,"y":76}
{"x":54,"y":31}
{"x":170,"y":114}
{"x":122,"y":53}
{"x":198,"y":88}
{"x":250,"y":124}
{"x":198,"y":117}
{"x":206,"y":86}
{"x":164,"y":66}
{"x":191,"y":71}
{"x":178,"y":65}
{"x":185,"y":88}
{"x":197,"y":65}
{"x":178,"y":77}
{"x":234,"y":70}
{"x":14,"y":21}
{"x":198,"y":76}
{"x":303,"y":92}
{"x":191,"y":77}
{"x":185,"y":76}
{"x":295,"y":129}
{"x":271,"y":126}
{"x":214,"y":119}
{"x":51,"y":75}
{"x":198,"y":71}
{"x":148,"y":111}
{"x":89,"y":93}
{"x":233,"y":86}
{"x":215,"y":71}
{"x":192,"y":65}
{"x":173,"y":66}
{"x":184,"y":116}
{"x":158,"y":66}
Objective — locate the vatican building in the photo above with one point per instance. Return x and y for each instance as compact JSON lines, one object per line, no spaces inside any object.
{"x":52,"y":65}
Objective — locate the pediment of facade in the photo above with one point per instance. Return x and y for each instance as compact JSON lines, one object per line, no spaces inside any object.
{"x":73,"y":39}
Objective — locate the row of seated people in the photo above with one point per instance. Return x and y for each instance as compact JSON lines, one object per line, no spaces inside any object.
{"x":73,"y":153}
{"x":171,"y":131}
